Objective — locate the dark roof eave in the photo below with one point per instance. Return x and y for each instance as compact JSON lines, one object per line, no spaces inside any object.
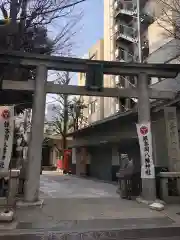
{"x":103,"y":121}
{"x":155,"y":106}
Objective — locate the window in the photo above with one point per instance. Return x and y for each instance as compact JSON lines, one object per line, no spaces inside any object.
{"x":132,"y":81}
{"x":122,"y":81}
{"x":122,"y":53}
{"x":92,"y":107}
{"x":117,"y":107}
{"x":82,"y":76}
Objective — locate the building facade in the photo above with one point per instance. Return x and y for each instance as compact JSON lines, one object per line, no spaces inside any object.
{"x":121,"y":42}
{"x":164,"y":42}
{"x":95,"y":105}
{"x":106,"y":143}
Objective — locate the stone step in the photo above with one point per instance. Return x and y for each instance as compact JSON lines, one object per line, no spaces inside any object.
{"x":95,"y":224}
{"x":164,"y":233}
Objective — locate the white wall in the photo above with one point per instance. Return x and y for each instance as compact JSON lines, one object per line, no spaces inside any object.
{"x":109,"y":103}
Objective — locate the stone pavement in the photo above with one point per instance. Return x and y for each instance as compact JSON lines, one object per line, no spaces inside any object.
{"x":73,"y":204}
{"x":71,"y":201}
{"x":55,"y":185}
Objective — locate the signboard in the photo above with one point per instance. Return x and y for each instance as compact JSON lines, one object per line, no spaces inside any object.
{"x":6,"y":135}
{"x":145,"y":142}
{"x":172,"y":138}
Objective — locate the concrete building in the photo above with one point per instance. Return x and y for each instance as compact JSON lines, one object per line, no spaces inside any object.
{"x":163,"y":47}
{"x":104,"y":142}
{"x":95,"y":105}
{"x":121,"y":42}
{"x":157,"y":42}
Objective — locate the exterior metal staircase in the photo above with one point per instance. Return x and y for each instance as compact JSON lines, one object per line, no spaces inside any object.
{"x":126,"y":32}
{"x":123,"y":55}
{"x":126,"y":37}
{"x":127,"y":8}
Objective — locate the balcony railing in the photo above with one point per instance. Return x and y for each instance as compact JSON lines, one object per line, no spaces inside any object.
{"x":126,"y":32}
{"x":128,"y":8}
{"x":123,"y":55}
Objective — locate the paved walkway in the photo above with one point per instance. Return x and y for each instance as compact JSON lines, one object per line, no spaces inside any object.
{"x":69,"y":198}
{"x":55,"y":185}
{"x":77,"y":208}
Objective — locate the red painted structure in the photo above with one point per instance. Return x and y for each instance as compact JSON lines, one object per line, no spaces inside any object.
{"x":65,"y":163}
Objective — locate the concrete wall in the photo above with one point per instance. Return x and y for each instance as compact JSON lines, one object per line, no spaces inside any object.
{"x":100,"y":166}
{"x":162,"y":46}
{"x":167,"y":53}
{"x":164,"y":52}
{"x":109,"y":49}
{"x":105,"y":159}
{"x":160,"y":152}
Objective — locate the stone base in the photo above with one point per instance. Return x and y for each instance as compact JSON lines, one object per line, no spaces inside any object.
{"x":59,"y":171}
{"x":6,"y":216}
{"x":30,"y":204}
{"x":4,"y":226}
{"x":141,"y":200}
{"x":164,"y":191}
{"x":155,"y":205}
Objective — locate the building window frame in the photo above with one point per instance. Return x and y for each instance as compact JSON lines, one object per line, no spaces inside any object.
{"x":92,"y":107}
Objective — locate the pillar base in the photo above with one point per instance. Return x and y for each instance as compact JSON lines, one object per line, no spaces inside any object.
{"x":39,"y":203}
{"x":149,"y":189}
{"x":6,"y":216}
{"x":157,"y":205}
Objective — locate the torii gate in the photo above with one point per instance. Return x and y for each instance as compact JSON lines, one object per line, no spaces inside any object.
{"x":40,"y":87}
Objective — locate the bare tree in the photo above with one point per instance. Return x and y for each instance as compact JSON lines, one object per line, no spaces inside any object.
{"x":77,"y":119}
{"x":68,"y":111}
{"x":32,"y":16}
{"x":33,"y":19}
{"x":167,"y":17}
{"x":61,"y":119}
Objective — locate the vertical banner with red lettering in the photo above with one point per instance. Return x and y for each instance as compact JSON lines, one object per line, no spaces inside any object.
{"x":145,"y":142}
{"x":6,"y":135}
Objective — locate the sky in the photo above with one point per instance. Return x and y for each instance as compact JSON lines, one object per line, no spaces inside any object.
{"x":90,"y":30}
{"x":92,"y":26}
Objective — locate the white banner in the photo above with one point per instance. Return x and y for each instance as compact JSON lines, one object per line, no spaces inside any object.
{"x":145,"y":142}
{"x":6,"y":135}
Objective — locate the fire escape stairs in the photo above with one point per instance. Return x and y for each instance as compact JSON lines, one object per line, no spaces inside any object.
{"x":126,"y":32}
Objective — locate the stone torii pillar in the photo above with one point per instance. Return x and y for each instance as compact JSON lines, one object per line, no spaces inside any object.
{"x":37,"y":132}
{"x":148,"y":183}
